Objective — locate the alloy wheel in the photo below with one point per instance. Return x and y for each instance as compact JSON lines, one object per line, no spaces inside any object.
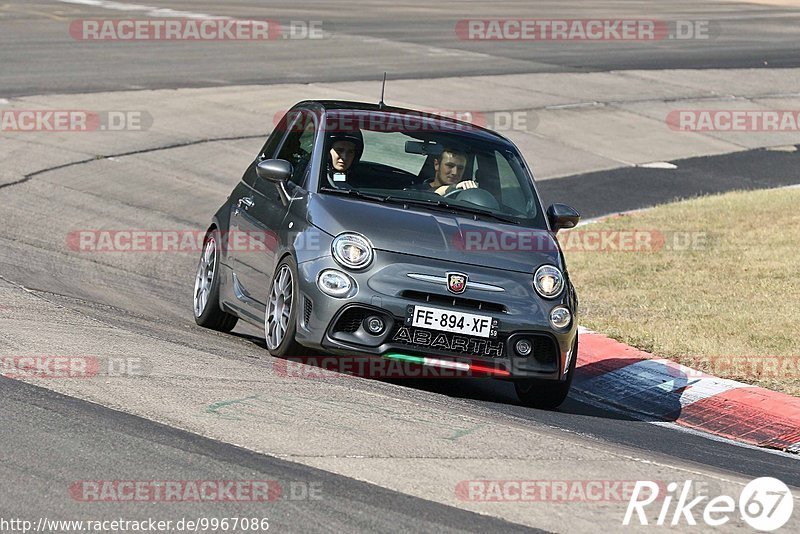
{"x":205,"y":276}
{"x":279,"y":308}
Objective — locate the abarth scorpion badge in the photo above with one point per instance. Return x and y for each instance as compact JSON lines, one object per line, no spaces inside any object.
{"x":456,"y":283}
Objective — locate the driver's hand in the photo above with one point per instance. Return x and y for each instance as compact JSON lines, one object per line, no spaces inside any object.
{"x":443,"y":189}
{"x":467,"y":184}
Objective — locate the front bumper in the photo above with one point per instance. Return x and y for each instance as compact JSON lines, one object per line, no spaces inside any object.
{"x":336,"y":325}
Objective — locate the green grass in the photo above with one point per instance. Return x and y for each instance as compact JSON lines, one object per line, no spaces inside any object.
{"x":736,"y":294}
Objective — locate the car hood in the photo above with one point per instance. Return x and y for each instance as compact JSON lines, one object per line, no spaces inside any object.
{"x":435,"y":234}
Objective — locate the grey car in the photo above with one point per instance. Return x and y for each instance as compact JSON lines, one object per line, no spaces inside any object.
{"x":417,"y":237}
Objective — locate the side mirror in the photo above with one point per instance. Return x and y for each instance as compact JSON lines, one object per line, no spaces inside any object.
{"x":562,"y":217}
{"x":274,"y":170}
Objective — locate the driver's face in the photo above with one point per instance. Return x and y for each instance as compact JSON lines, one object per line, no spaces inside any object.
{"x":342,"y":155}
{"x":450,"y":168}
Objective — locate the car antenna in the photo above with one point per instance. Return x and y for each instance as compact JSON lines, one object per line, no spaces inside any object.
{"x":381,"y":104}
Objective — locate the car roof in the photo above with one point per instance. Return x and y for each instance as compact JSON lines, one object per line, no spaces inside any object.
{"x":335,"y":105}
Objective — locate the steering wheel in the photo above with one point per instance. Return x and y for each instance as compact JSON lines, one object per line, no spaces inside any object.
{"x":477,"y":196}
{"x":454,"y":193}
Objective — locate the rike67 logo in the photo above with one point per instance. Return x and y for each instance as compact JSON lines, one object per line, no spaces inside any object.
{"x":765,"y":504}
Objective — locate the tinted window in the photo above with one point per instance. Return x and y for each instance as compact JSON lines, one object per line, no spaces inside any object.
{"x":382,"y":148}
{"x":425,"y":159}
{"x":299,"y":145}
{"x":268,"y":151}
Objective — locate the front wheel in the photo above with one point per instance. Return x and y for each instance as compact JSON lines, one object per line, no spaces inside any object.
{"x":280,"y":317}
{"x":207,"y":311}
{"x":547,"y":394}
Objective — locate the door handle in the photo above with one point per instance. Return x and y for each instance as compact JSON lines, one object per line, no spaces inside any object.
{"x":247,"y":202}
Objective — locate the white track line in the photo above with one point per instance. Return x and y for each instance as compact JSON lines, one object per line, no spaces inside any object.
{"x":150,"y":11}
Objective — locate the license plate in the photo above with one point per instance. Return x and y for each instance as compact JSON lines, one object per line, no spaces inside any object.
{"x":468,"y":324}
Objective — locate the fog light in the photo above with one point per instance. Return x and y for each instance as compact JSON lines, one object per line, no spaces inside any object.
{"x":334,"y":283}
{"x":560,"y":317}
{"x":374,"y":325}
{"x":523,"y":347}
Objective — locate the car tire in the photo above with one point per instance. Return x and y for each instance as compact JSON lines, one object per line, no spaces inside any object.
{"x":207,"y":312}
{"x":547,"y":394}
{"x":280,"y":318}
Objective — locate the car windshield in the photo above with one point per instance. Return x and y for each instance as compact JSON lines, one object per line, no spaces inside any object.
{"x":425,"y":162}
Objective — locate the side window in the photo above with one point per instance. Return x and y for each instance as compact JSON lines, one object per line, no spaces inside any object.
{"x":269,"y":148}
{"x":299,"y":145}
{"x":275,"y":137}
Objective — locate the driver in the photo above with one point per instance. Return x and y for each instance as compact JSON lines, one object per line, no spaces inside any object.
{"x":346,"y":148}
{"x":448,"y":172}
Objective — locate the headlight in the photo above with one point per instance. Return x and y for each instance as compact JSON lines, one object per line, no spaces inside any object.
{"x":353,"y":251}
{"x":334,"y":283}
{"x":548,"y":281}
{"x":560,"y":317}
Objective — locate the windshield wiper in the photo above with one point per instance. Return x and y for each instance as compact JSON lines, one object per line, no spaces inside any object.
{"x":446,"y":206}
{"x":485,"y":213}
{"x":418,"y":202}
{"x":354,"y":193}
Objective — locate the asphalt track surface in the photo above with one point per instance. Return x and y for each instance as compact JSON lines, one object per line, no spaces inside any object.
{"x":77,"y":433}
{"x":414,"y":39}
{"x":50,"y":440}
{"x":632,"y":188}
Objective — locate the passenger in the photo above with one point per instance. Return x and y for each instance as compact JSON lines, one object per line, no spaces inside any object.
{"x":448,"y":172}
{"x":345,"y":150}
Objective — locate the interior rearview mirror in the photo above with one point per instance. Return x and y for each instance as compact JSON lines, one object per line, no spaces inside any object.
{"x":423,"y":148}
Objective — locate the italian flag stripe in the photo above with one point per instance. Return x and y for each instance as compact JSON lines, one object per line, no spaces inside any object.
{"x":434,"y":362}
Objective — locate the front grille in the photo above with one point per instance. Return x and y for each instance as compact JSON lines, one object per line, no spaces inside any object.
{"x":350,"y":320}
{"x":545,"y":349}
{"x":455,"y":302}
{"x":307,"y":307}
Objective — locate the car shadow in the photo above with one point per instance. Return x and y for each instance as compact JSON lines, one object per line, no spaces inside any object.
{"x":612,"y":388}
{"x":645,"y":390}
{"x":643,"y":395}
{"x":255,"y":340}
